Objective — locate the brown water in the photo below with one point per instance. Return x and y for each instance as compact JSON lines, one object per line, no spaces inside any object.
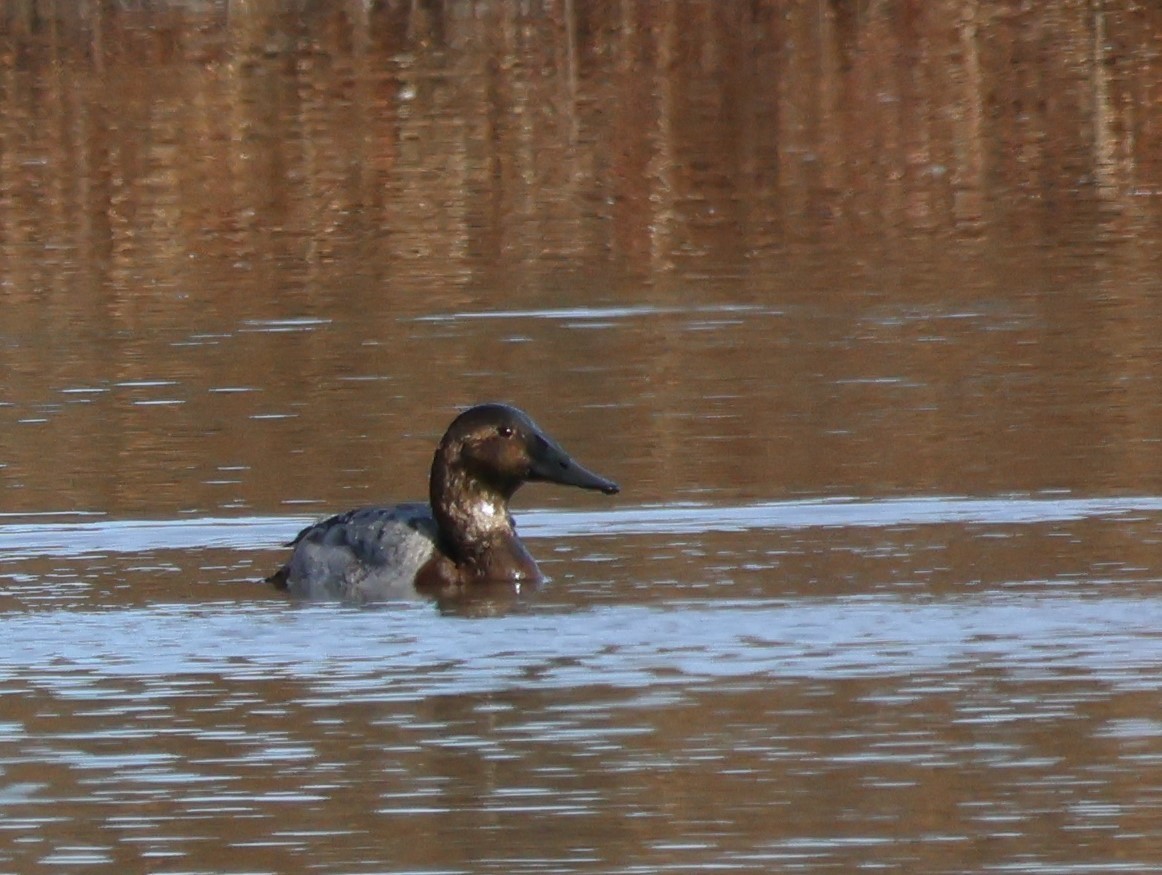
{"x":860,"y":303}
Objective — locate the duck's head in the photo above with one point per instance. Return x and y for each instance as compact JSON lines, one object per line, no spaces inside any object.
{"x":497,"y":448}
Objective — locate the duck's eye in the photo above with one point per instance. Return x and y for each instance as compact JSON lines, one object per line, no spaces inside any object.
{"x":505,"y":431}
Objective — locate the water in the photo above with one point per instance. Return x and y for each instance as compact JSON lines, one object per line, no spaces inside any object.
{"x":749,"y":705}
{"x":857,"y":303}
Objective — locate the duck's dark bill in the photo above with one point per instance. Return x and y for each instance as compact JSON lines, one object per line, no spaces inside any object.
{"x":555,"y":466}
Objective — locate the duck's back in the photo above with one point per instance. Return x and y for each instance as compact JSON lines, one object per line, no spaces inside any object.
{"x":368,"y":554}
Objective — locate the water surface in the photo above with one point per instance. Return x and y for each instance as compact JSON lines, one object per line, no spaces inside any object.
{"x":857,"y":302}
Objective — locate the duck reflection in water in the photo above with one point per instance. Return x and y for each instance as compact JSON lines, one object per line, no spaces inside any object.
{"x":460,"y":546}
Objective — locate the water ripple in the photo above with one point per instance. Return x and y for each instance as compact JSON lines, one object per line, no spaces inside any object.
{"x":24,"y":540}
{"x":408,"y":652}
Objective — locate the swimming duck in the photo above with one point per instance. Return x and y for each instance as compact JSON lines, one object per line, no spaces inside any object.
{"x":464,"y":537}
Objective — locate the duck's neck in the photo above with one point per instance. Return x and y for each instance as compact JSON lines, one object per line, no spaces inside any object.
{"x":476,"y":530}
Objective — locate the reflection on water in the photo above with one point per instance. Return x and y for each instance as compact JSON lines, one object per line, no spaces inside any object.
{"x":398,"y":654}
{"x":857,"y":300}
{"x":205,"y":718}
{"x":18,"y":540}
{"x":831,"y":248}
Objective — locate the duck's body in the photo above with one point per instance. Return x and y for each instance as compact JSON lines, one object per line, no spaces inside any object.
{"x":369,"y":554}
{"x":464,"y":538}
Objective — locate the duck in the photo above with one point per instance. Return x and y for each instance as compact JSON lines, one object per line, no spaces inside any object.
{"x":462,"y":539}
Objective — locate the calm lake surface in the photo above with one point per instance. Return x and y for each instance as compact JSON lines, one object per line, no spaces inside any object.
{"x":861,"y":303}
